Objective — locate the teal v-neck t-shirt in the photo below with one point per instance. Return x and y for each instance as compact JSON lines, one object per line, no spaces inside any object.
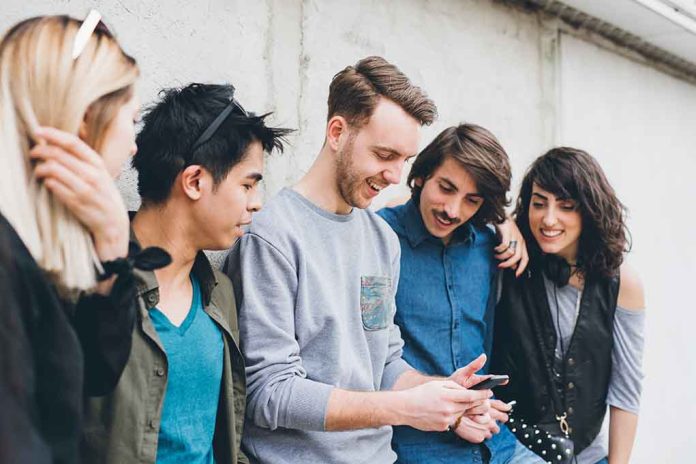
{"x":194,"y":353}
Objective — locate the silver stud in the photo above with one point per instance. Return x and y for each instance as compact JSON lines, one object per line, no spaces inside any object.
{"x":524,"y":426}
{"x":526,"y":435}
{"x":539,"y":440}
{"x":553,"y":446}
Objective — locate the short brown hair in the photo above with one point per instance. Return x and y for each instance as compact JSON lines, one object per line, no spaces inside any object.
{"x":480,"y":153}
{"x":354,"y":92}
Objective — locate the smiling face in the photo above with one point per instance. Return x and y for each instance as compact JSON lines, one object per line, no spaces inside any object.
{"x":373,"y":156}
{"x":555,"y":223}
{"x":448,"y":199}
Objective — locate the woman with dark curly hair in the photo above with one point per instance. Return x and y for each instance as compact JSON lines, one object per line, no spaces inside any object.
{"x":569,"y":332}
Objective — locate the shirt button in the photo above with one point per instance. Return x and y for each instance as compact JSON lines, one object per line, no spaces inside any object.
{"x":159,"y":371}
{"x":571,"y":410}
{"x":151,"y":298}
{"x":571,"y":385}
{"x":153,"y":424}
{"x":571,"y":361}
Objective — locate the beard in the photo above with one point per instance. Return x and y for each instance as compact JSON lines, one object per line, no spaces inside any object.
{"x":349,"y":181}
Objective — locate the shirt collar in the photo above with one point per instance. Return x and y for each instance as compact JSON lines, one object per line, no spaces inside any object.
{"x":416,"y":232}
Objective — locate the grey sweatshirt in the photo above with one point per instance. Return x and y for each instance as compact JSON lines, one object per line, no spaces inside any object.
{"x":316,"y":307}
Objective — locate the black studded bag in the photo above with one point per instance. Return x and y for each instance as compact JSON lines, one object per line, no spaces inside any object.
{"x":551,"y":447}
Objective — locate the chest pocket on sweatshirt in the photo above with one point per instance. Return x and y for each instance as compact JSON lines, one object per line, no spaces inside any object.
{"x":375,"y":302}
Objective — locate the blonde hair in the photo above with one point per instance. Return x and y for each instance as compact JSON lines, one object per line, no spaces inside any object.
{"x":41,"y":85}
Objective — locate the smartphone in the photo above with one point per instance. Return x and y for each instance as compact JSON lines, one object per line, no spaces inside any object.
{"x":491,"y":382}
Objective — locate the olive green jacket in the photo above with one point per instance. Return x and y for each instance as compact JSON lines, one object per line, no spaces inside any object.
{"x":123,"y":427}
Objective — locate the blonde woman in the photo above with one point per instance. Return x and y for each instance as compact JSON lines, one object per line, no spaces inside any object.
{"x":67,"y":294}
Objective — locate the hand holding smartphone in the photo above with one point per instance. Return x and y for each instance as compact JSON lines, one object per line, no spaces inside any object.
{"x":492,"y":381}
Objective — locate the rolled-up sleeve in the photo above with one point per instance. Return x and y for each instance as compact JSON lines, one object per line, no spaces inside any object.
{"x":279,"y":392}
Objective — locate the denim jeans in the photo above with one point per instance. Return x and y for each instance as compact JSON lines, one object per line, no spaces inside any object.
{"x":523,"y":455}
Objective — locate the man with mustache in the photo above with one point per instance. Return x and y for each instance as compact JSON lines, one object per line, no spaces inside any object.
{"x":315,"y":278}
{"x":446,"y":295}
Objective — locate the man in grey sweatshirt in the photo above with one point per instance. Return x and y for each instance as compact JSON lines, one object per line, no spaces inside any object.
{"x":315,"y":278}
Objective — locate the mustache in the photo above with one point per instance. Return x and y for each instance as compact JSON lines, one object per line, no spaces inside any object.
{"x":446,"y":217}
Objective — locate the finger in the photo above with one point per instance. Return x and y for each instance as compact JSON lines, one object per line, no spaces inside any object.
{"x":452,"y":385}
{"x":503,"y":246}
{"x":61,"y":192}
{"x":476,"y":379}
{"x":500,"y":406}
{"x":477,"y":410}
{"x":69,"y":142}
{"x":498,"y":415}
{"x":504,"y":230}
{"x":469,"y":396}
{"x":53,"y":169}
{"x":493,"y":428}
{"x":469,"y":423}
{"x":511,"y":258}
{"x":524,"y":261}
{"x":482,"y":419}
{"x":52,"y":152}
{"x":473,"y":367}
{"x":503,"y":250}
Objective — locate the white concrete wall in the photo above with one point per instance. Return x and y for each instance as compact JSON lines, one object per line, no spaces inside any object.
{"x":640,"y":124}
{"x":481,"y":62}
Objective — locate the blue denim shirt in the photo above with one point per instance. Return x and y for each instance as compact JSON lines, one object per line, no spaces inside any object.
{"x":445,"y":304}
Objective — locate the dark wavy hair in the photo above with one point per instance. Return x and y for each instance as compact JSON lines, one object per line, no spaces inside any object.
{"x":480,"y":153}
{"x":570,"y":173}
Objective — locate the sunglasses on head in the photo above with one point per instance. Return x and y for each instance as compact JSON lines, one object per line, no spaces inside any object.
{"x":217,"y":122}
{"x":93,"y":22}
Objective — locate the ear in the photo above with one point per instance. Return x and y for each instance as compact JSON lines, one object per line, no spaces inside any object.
{"x":83,"y":130}
{"x":418,"y":181}
{"x":194,"y":181}
{"x":336,"y":128}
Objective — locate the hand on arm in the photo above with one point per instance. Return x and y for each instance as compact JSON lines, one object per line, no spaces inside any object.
{"x":515,"y":257}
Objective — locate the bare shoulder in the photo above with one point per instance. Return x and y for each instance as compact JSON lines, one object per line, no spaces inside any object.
{"x":631,"y":294}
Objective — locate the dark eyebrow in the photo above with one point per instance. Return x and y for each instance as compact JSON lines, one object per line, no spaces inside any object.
{"x":535,"y":194}
{"x":255,"y":176}
{"x":449,"y":183}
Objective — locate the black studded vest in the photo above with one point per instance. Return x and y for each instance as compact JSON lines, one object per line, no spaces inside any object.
{"x":524,"y":344}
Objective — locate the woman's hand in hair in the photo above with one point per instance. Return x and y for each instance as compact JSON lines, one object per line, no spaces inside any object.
{"x":512,"y":251}
{"x":76,"y":175}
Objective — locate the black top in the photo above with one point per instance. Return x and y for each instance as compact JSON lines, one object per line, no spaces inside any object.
{"x":43,"y":373}
{"x":524,"y":347}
